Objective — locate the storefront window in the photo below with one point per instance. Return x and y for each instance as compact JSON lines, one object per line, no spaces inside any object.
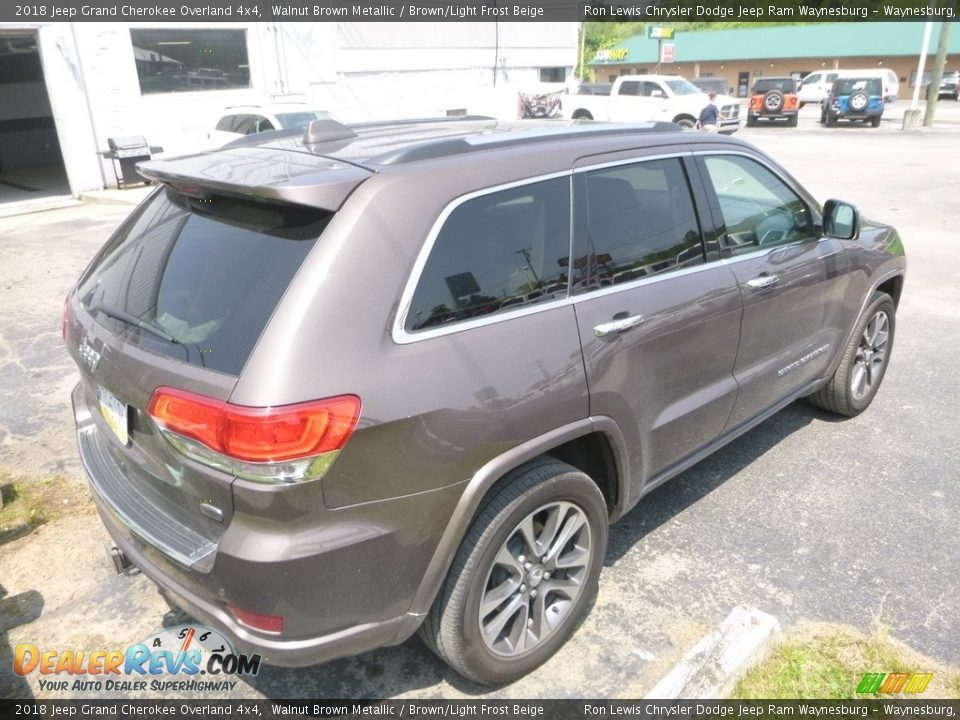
{"x":175,"y":60}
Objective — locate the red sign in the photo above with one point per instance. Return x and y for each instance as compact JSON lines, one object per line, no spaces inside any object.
{"x":668,"y":53}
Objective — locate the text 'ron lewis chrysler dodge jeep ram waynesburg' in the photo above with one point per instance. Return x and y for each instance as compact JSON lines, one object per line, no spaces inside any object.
{"x":340,"y":386}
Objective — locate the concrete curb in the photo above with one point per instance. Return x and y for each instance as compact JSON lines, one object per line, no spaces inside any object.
{"x":712,"y":669}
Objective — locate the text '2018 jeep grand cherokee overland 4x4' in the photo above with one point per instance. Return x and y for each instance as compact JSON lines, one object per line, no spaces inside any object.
{"x":339,"y":387}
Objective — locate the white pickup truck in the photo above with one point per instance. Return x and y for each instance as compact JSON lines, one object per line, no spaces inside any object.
{"x":639,"y":98}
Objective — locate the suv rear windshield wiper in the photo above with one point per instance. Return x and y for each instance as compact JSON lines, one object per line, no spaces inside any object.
{"x":122,"y":315}
{"x":131,"y":319}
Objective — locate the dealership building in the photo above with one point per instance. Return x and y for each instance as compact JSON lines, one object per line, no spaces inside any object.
{"x":68,"y":87}
{"x":741,"y":56}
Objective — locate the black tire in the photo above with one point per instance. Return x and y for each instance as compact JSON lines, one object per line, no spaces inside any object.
{"x":452,"y":628}
{"x":751,"y":121}
{"x":792,"y":120}
{"x":773,"y":101}
{"x":875,"y":121}
{"x":831,"y":119}
{"x":581,"y":115}
{"x":838,"y":395}
{"x":685,"y":121}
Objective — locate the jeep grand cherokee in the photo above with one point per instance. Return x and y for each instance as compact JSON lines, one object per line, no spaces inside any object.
{"x":341,"y":386}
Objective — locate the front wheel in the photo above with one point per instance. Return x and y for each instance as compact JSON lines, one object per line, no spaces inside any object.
{"x":686,"y":122}
{"x":524,"y":577}
{"x":853,"y":386}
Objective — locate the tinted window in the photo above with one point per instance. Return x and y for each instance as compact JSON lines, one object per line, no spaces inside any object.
{"x":631,"y":87}
{"x":178,"y":60}
{"x":758,"y":208}
{"x":495,"y":253}
{"x":847,"y":86}
{"x":639,"y":221}
{"x":226,"y":123}
{"x":787,"y":85}
{"x":207,"y":274}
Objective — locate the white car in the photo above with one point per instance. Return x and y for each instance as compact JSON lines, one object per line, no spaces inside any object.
{"x":242,"y":120}
{"x":816,"y":86}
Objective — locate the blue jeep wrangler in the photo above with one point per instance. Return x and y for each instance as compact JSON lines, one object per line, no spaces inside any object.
{"x":853,"y":98}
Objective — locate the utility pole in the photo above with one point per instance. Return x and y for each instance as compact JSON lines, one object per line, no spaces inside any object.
{"x":933,"y":89}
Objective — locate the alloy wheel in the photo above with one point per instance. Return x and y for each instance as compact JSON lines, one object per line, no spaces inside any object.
{"x":535,"y":579}
{"x":871,"y":357}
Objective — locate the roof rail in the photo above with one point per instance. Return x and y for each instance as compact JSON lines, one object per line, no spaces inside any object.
{"x":456,"y":146}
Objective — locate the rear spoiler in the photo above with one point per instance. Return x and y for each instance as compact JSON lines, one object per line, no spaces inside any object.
{"x":261,"y":173}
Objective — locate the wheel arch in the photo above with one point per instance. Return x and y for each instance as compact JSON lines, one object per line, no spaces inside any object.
{"x":678,"y":119}
{"x":593,"y":445}
{"x":890,"y":283}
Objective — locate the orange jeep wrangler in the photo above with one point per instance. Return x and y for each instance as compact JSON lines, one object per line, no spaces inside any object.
{"x":774,"y":98}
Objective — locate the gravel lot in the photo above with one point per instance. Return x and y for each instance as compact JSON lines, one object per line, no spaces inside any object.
{"x":805,"y":517}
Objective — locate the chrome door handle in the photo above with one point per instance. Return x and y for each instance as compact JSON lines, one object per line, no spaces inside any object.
{"x":763,"y":282}
{"x":617,"y":326}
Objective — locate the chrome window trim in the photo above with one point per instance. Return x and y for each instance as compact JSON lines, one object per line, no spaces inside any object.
{"x":401,"y":335}
{"x":631,"y":161}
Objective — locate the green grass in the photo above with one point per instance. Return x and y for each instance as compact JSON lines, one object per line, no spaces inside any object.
{"x":29,"y":503}
{"x":830,"y":665}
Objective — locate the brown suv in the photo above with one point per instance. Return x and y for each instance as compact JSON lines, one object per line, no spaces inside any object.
{"x":341,"y":386}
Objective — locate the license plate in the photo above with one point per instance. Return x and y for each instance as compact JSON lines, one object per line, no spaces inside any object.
{"x":115,"y":413}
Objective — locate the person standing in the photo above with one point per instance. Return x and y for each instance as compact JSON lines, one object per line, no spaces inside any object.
{"x":709,"y":115}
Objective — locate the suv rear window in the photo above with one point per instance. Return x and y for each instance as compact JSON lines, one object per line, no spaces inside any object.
{"x":197,"y":279}
{"x":848,"y":86}
{"x":786,"y":85}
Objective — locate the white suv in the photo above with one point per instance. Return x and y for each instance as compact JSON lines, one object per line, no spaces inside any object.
{"x":816,"y":86}
{"x":241,"y":120}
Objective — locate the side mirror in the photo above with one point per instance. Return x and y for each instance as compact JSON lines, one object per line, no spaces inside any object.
{"x":841,"y":220}
{"x":658,"y":94}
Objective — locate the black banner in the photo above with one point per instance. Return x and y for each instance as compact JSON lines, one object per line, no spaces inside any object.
{"x":473,"y":10}
{"x":549,"y":709}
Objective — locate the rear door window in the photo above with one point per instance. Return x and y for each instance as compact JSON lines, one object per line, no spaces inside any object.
{"x":636,"y":220}
{"x":198,"y":279}
{"x":497,"y":252}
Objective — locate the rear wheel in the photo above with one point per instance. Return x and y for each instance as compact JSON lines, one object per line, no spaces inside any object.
{"x":792,"y":120}
{"x":751,"y":121}
{"x":857,"y":379}
{"x":831,"y":119}
{"x":875,"y":121}
{"x":524,"y":577}
{"x":582,"y":115}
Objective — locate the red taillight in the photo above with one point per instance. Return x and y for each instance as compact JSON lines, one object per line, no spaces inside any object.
{"x":193,"y":416}
{"x":271,"y":434}
{"x":257,"y":621}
